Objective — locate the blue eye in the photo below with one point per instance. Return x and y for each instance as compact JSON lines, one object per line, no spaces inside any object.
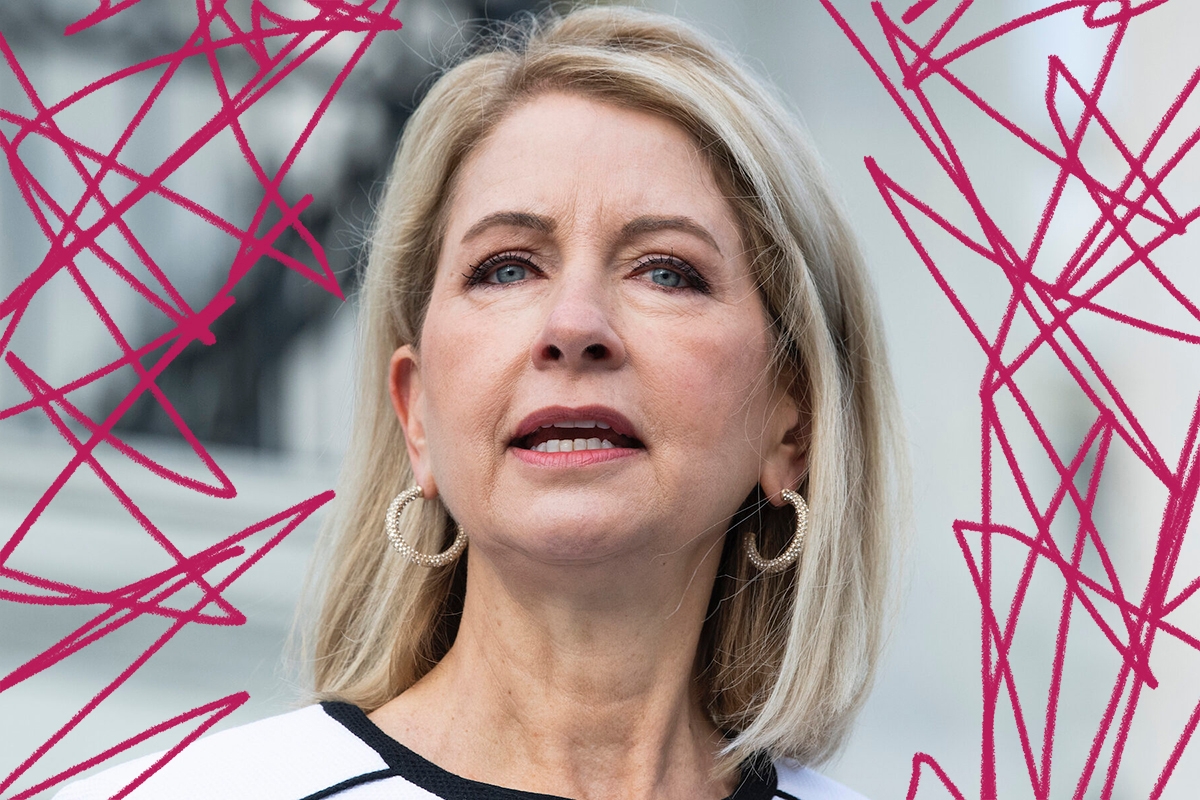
{"x":501,"y":269}
{"x":672,"y":273}
{"x":667,"y":277}
{"x":509,"y":273}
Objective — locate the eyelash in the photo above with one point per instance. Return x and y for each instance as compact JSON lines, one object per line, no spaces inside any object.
{"x":478,"y":273}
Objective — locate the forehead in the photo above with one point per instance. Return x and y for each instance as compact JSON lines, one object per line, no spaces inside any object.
{"x":565,"y":155}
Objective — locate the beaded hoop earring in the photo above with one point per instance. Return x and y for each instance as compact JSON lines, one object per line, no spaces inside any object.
{"x":792,"y":552}
{"x":392,"y":528}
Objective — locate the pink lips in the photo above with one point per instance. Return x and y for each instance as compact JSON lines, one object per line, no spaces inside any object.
{"x":616,"y":421}
{"x":580,"y":458}
{"x":551,"y":414}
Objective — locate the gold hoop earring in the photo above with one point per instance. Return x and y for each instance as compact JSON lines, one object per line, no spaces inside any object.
{"x":792,"y":552}
{"x":392,"y":528}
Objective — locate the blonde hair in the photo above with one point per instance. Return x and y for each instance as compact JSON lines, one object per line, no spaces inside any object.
{"x":785,"y":660}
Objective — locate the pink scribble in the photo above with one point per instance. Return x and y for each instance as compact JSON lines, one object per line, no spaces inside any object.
{"x":1132,"y":214}
{"x":277,"y":46}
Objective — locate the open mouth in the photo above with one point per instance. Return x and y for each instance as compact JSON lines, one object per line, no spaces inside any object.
{"x":571,"y":436}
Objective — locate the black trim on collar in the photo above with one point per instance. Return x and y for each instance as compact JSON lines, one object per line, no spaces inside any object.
{"x":758,"y":776}
{"x":350,"y":783}
{"x":759,"y":780}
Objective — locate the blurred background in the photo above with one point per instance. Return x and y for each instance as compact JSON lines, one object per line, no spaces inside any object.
{"x":271,"y":400}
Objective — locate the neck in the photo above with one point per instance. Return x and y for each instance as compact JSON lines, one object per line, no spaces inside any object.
{"x":582,"y":690}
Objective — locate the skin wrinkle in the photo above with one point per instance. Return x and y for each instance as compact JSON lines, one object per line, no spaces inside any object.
{"x":563,"y":562}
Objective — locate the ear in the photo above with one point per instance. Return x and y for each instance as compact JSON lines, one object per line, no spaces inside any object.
{"x":404,"y":385}
{"x":785,"y":453}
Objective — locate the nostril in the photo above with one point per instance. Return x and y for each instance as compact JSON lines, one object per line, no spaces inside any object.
{"x":596,"y":351}
{"x":553,"y":353}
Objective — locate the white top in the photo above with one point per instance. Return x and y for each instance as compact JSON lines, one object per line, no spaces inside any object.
{"x":334,"y":750}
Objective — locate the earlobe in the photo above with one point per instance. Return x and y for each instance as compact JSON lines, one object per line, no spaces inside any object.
{"x":406,"y":390}
{"x":779,"y":474}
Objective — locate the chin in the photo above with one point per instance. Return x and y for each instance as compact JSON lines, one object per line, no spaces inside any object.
{"x":572,"y":540}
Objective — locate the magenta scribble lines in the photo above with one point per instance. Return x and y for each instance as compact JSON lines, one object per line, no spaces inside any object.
{"x":277,"y":45}
{"x":106,"y":10}
{"x":1133,"y":218}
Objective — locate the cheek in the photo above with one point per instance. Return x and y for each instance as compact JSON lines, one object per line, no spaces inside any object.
{"x":455,"y":384}
{"x":713,"y":382}
{"x":468,"y":367}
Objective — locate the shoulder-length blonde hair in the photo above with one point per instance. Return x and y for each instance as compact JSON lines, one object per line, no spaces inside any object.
{"x":785,"y":660}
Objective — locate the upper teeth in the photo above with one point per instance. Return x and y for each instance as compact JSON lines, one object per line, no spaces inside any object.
{"x":572,"y":445}
{"x":578,"y":423}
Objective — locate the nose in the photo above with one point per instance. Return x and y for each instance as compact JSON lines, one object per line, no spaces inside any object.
{"x":578,"y":333}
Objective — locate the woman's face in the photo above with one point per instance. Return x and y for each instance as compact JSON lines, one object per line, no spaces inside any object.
{"x":593,"y":297}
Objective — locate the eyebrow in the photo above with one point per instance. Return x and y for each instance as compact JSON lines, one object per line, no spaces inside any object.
{"x":509,"y":219}
{"x":631,"y":230}
{"x":644,"y":225}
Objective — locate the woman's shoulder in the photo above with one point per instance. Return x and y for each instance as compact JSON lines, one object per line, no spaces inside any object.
{"x":286,"y":756}
{"x":802,"y":783}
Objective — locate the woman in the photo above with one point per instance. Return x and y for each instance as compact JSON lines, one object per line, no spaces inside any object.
{"x":616,"y":335}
